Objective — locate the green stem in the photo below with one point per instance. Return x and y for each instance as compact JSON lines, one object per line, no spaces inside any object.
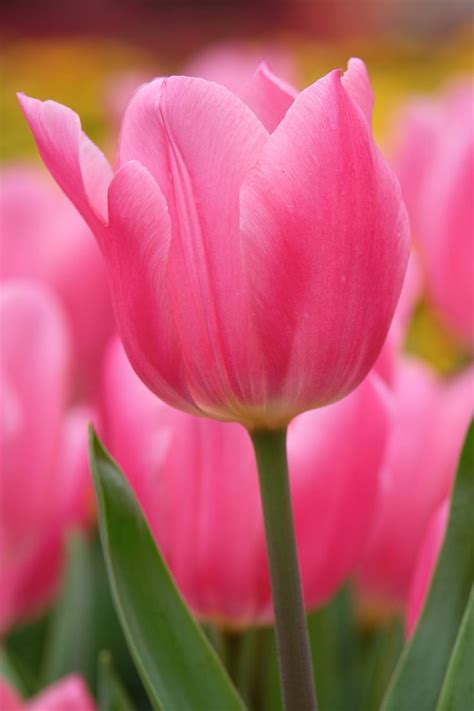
{"x":290,"y":619}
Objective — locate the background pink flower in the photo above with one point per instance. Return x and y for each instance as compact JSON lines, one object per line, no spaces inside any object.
{"x":198,"y":484}
{"x":44,"y":477}
{"x":430,"y":420}
{"x":44,"y":239}
{"x":69,"y":694}
{"x":435,"y":164}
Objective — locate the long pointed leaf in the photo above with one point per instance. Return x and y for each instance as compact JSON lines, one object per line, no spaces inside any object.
{"x":457,"y":693}
{"x":178,"y":666}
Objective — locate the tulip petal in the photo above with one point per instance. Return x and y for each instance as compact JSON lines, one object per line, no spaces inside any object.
{"x":325,"y":244}
{"x":356,"y":82}
{"x":199,"y":140}
{"x":76,"y":163}
{"x":136,"y":248}
{"x":268,"y":96}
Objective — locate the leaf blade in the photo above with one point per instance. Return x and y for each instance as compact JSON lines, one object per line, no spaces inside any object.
{"x":179,"y":668}
{"x":458,"y":688}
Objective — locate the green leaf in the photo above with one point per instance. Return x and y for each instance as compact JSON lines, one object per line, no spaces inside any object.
{"x":111,"y":694}
{"x":178,"y":666}
{"x":419,"y":675}
{"x":71,"y":619}
{"x":457,"y":693}
{"x":10,"y":672}
{"x":333,"y":638}
{"x":24,"y":648}
{"x":84,"y":612}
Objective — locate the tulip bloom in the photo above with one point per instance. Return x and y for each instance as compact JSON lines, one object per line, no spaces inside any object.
{"x":256,"y":244}
{"x":45,"y":240}
{"x":44,"y":469}
{"x":69,"y":694}
{"x":197,"y":481}
{"x":435,"y":163}
{"x":425,"y":565}
{"x":430,"y":422}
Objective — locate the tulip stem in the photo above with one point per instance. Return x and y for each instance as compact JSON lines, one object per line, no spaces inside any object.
{"x":294,"y":657}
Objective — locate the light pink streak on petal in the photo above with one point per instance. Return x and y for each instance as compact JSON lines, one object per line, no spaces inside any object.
{"x":69,"y":694}
{"x":77,"y":165}
{"x":136,"y":249}
{"x":268,"y":96}
{"x":425,"y":566}
{"x":356,"y":81}
{"x":325,"y":244}
{"x":199,"y":140}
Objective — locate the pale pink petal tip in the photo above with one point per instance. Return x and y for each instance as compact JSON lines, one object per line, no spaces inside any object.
{"x":268,"y":96}
{"x":356,"y":81}
{"x":77,"y":165}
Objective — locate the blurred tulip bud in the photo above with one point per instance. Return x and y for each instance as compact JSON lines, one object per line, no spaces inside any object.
{"x":430,"y":421}
{"x":435,"y":164}
{"x":44,"y":239}
{"x":44,"y":470}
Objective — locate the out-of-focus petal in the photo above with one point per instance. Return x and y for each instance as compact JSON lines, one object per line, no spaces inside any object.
{"x":34,"y":365}
{"x":50,"y":243}
{"x":232,"y":63}
{"x":69,"y":694}
{"x":335,"y":455}
{"x":430,"y":422}
{"x":9,"y":700}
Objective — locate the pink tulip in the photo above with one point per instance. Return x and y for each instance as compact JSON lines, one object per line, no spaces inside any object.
{"x":69,"y":694}
{"x":256,"y":250}
{"x":425,"y":565}
{"x":430,"y":422}
{"x":197,"y":481}
{"x":44,"y":469}
{"x":435,"y":163}
{"x":44,"y":239}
